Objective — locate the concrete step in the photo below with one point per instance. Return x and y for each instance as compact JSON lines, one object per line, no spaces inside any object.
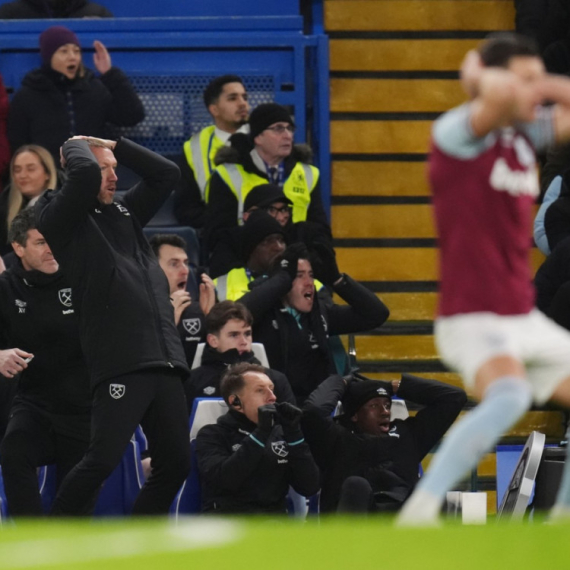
{"x":356,"y":95}
{"x":414,"y":15}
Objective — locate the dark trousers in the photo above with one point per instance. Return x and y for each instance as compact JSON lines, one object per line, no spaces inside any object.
{"x":33,"y":438}
{"x":155,"y":399}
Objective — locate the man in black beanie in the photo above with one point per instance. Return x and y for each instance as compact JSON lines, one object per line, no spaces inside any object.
{"x":267,"y":154}
{"x":370,"y":463}
{"x":262,"y":242}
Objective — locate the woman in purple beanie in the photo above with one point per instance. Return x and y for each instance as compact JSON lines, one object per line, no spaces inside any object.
{"x":62,"y":98}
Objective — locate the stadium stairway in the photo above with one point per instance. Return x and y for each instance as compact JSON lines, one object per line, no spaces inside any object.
{"x":393,"y":70}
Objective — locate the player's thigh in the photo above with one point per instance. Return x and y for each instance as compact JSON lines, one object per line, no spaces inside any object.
{"x":547,"y":355}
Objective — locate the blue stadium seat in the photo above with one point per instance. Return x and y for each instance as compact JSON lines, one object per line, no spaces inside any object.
{"x":189,"y":499}
{"x":185,"y":232}
{"x":3,"y":502}
{"x":119,"y":491}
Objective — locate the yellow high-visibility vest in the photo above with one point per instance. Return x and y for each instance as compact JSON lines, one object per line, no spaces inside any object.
{"x":298,"y":187}
{"x":200,"y":151}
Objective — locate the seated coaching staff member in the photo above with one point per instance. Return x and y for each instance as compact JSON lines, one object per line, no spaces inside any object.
{"x":370,"y":463}
{"x":131,"y":344}
{"x":250,"y":457}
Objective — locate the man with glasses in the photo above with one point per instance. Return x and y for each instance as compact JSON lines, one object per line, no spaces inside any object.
{"x":267,"y":154}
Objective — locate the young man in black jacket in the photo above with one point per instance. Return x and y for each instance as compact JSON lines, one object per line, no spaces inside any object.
{"x":250,"y":457}
{"x":294,"y":324}
{"x":228,"y":342}
{"x":127,"y":330}
{"x":368,"y":462}
{"x":39,"y":344}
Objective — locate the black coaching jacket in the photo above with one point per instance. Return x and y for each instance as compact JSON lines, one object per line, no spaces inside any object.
{"x":121,"y":292}
{"x":246,"y":470}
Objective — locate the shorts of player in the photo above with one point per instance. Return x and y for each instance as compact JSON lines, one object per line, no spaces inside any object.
{"x":467,"y":341}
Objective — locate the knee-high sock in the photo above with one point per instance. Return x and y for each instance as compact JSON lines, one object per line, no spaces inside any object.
{"x":505,"y":401}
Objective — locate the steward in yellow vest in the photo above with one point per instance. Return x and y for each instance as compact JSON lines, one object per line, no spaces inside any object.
{"x":225,"y":98}
{"x":267,"y":154}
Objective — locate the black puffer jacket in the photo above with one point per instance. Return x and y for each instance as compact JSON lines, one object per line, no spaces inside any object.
{"x":243,"y":474}
{"x":204,"y":381}
{"x":389,"y":462}
{"x":49,"y":108}
{"x":121,"y":292}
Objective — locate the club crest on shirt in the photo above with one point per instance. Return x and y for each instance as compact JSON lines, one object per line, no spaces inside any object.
{"x":117,"y":390}
{"x":21,"y":305}
{"x":279,"y":448}
{"x":209,"y":390}
{"x":64,"y":296}
{"x":192,"y":326}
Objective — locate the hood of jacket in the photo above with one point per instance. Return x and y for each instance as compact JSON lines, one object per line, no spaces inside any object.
{"x":212,"y":357}
{"x":240,"y":147}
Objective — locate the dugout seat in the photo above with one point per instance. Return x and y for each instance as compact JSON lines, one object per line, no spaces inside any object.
{"x":205,"y":411}
{"x":257,"y":348}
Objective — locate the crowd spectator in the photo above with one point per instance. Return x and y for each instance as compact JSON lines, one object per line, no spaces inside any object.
{"x":267,"y":154}
{"x":189,"y":314}
{"x":63,"y":98}
{"x":368,"y":462}
{"x":262,"y":242}
{"x":228,"y":342}
{"x":4,"y":146}
{"x":131,"y":345}
{"x":250,"y":457}
{"x":32,"y":171}
{"x":39,"y":343}
{"x":35,"y":9}
{"x":294,"y":324}
{"x":225,"y":97}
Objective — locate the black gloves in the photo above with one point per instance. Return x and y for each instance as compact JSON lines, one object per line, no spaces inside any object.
{"x":325,"y":268}
{"x":289,"y":416}
{"x":266,"y":416}
{"x":290,"y":259}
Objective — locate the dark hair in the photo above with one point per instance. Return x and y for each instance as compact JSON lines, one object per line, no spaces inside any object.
{"x":216,"y":86}
{"x":24,"y":221}
{"x":498,"y":49}
{"x":225,"y":311}
{"x":158,"y":240}
{"x":233,"y":380}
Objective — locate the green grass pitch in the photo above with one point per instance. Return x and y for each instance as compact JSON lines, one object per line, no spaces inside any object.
{"x":271,"y":544}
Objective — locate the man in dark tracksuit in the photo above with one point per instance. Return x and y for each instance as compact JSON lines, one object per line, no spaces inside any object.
{"x":50,"y":417}
{"x":127,"y":329}
{"x":228,"y":343}
{"x":294,"y":323}
{"x":250,"y":457}
{"x":368,"y":462}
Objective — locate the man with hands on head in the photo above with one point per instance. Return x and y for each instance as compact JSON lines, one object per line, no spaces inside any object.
{"x":127,"y":331}
{"x":250,"y":457}
{"x":368,"y":462}
{"x":294,"y":323}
